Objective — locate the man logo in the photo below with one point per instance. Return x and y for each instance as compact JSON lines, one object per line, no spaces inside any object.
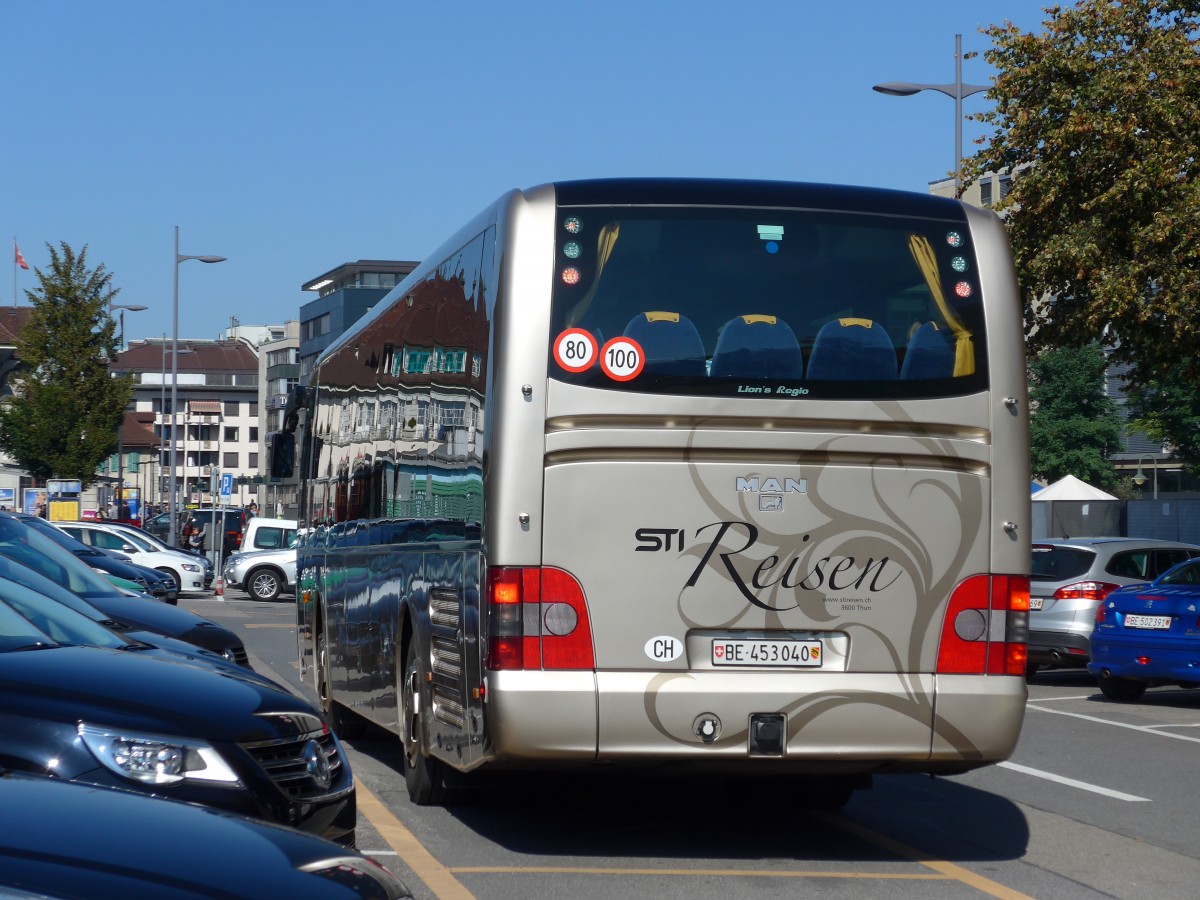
{"x":755,"y":484}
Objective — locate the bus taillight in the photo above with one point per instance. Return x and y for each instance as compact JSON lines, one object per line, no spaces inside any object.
{"x":986,"y":629}
{"x":537,"y":619}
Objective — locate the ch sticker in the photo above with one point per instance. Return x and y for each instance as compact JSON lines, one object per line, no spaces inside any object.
{"x":575,"y":350}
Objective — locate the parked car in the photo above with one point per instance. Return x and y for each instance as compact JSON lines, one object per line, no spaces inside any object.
{"x":264,"y":574}
{"x":59,"y":839}
{"x":159,"y":544}
{"x":1149,"y":634}
{"x":264,"y":533}
{"x":35,"y":551}
{"x":1069,"y":579}
{"x":185,"y":732}
{"x":57,"y":611}
{"x":185,"y":568}
{"x":160,"y":585}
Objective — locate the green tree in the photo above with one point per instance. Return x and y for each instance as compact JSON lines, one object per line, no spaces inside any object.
{"x":66,"y":410}
{"x":1074,"y":425}
{"x":1168,"y":411}
{"x":1098,"y":120}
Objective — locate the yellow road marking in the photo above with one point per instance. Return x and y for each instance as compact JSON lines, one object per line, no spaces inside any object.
{"x":708,"y":873}
{"x":436,"y":876}
{"x":441,"y":881}
{"x":949,"y":869}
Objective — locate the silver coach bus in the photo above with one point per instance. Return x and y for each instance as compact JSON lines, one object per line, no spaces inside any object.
{"x":729,"y":475}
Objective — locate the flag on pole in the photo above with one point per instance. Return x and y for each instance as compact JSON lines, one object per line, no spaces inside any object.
{"x":19,"y":259}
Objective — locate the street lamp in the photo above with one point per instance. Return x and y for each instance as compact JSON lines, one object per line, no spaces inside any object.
{"x":1140,"y":478}
{"x":179,"y":258}
{"x":957,"y":90}
{"x":133,"y":307}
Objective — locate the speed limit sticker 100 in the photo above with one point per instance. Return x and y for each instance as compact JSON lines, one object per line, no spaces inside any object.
{"x":575,"y":350}
{"x":622,"y":359}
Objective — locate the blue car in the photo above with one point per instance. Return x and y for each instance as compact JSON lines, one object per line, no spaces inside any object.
{"x":1149,"y":634}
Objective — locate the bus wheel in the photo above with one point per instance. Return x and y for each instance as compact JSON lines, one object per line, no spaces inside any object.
{"x":344,"y":723}
{"x":424,"y":776}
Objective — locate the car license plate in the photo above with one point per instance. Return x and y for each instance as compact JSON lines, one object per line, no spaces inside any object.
{"x":802,"y":654}
{"x":1035,"y":602}
{"x":1134,"y":621}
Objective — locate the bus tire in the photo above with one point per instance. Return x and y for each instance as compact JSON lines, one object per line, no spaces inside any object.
{"x":424,"y":776}
{"x":344,"y":723}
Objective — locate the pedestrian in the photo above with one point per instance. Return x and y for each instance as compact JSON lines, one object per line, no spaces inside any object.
{"x":197,"y":539}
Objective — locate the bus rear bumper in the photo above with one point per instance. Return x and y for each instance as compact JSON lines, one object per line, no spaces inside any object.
{"x":857,"y":720}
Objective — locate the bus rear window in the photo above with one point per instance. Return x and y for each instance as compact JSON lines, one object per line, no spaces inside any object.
{"x":766,"y":302}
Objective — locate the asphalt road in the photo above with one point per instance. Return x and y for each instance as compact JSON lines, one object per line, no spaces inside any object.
{"x":1100,"y":800}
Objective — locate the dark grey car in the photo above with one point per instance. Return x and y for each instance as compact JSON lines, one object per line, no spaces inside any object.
{"x":1069,"y":578}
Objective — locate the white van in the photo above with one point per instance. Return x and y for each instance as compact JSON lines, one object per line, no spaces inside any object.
{"x":267,"y":534}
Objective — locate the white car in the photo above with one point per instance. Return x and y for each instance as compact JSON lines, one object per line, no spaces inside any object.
{"x":187,"y":569}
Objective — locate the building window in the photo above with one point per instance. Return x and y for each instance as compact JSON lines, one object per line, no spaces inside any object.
{"x":231,"y":409}
{"x":229,"y":460}
{"x":985,"y":192}
{"x":253,"y":460}
{"x":231,"y":434}
{"x":252,"y":411}
{"x":254,"y":434}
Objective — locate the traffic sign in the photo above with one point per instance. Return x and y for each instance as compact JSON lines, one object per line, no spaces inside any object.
{"x":226,"y":486}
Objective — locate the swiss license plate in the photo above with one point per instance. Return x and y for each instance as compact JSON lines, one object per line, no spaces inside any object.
{"x":1035,"y":602}
{"x":797,"y":654}
{"x":1134,"y":621}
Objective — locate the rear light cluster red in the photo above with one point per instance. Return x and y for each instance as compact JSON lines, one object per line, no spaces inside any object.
{"x":986,"y":629}
{"x":537,"y":619}
{"x":1085,"y":590}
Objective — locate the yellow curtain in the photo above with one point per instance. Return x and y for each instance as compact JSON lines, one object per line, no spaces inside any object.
{"x":604,"y":248}
{"x":964,"y":349}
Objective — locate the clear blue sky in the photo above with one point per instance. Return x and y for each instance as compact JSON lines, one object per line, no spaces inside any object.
{"x":292,"y":136}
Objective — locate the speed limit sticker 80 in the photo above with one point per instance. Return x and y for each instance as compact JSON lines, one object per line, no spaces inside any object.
{"x":575,"y":350}
{"x":622,"y":359}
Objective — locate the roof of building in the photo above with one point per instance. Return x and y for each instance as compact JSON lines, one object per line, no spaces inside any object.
{"x":12,"y":320}
{"x":194,"y":356}
{"x":137,"y":431}
{"x":337,"y":273}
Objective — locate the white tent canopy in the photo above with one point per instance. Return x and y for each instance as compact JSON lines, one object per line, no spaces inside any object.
{"x":1071,"y":488}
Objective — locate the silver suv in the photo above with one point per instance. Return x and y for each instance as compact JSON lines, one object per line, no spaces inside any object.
{"x":1070,"y":577}
{"x":263,"y":574}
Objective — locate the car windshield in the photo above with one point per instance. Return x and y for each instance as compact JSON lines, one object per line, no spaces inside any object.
{"x":136,"y":539}
{"x":1052,"y":563}
{"x":18,"y":633}
{"x":1184,"y":573}
{"x":64,"y":625}
{"x":40,"y":551}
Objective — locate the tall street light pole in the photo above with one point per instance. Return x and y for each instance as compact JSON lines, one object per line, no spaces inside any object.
{"x":179,"y":258}
{"x":132,"y":307}
{"x":957,"y":91}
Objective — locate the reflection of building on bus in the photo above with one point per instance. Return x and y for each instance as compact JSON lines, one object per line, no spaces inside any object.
{"x":725,"y":475}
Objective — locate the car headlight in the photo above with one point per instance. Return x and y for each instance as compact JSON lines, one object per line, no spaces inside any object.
{"x":156,"y":759}
{"x":363,"y":876}
{"x":189,"y":567}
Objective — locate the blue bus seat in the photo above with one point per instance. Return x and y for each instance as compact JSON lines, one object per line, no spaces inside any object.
{"x":757,"y":346}
{"x":852,"y":349}
{"x":670,"y":342}
{"x":930,"y":353}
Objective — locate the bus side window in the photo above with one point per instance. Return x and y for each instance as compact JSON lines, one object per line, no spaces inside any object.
{"x":852,"y":350}
{"x":757,"y":346}
{"x":671,"y":343}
